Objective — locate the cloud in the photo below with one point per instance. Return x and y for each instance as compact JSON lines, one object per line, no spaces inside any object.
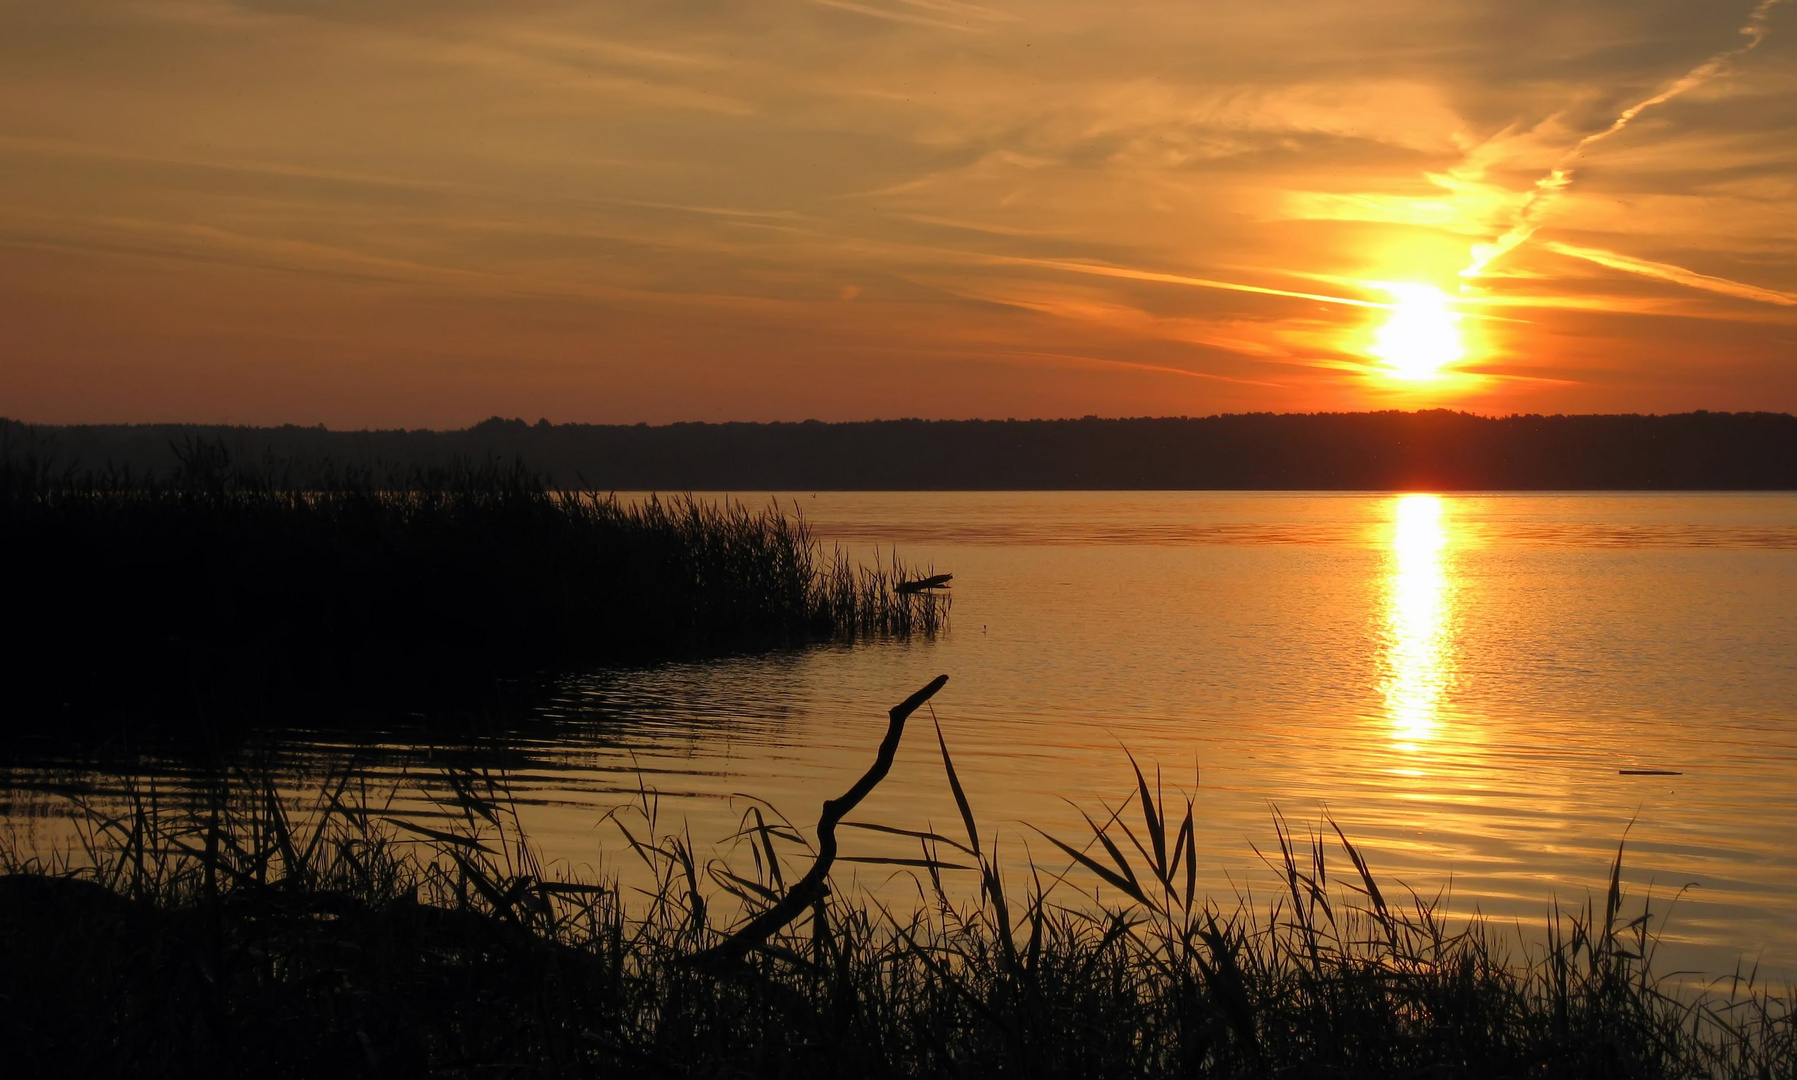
{"x":1547,"y":189}
{"x":691,"y":186}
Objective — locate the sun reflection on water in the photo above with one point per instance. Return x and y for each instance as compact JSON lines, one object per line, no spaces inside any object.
{"x":1418,"y":658}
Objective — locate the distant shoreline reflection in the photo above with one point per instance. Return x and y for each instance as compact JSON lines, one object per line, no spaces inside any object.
{"x":1418,"y":659}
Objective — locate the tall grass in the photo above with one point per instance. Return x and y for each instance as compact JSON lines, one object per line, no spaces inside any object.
{"x":270,"y":577}
{"x":247,"y":934}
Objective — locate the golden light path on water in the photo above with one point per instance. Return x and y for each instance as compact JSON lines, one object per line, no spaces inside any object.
{"x":1418,"y":658}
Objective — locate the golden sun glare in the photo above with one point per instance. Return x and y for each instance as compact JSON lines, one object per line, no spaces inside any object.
{"x":1422,"y":336}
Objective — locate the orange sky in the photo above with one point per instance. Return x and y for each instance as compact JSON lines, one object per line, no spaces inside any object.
{"x":400,"y":212}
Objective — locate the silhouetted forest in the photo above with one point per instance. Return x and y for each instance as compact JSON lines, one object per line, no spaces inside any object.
{"x":1438,"y":450}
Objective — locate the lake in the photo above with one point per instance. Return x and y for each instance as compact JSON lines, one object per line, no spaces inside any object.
{"x":1486,"y":692}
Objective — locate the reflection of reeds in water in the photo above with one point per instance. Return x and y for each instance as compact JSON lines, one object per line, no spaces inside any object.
{"x":246,"y":936}
{"x":272,"y":575}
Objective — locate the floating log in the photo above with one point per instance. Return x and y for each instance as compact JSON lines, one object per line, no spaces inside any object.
{"x":934,"y":581}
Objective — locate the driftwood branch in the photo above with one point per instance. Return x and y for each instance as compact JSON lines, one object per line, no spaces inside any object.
{"x":935,"y":581}
{"x":813,"y":887}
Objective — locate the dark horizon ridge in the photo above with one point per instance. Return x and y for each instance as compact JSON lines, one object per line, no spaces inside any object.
{"x":1431,"y":449}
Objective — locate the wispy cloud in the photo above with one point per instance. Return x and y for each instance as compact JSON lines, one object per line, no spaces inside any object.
{"x":892,"y":15}
{"x":1527,"y":220}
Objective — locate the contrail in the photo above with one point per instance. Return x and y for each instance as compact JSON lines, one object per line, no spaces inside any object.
{"x":1678,"y":274}
{"x":1550,"y":187}
{"x":1108,"y":270}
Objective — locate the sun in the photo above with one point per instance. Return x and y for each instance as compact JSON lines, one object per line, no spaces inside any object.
{"x":1422,"y":336}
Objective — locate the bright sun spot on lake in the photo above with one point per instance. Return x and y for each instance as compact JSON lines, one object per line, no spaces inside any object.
{"x":1417,"y":647}
{"x":1421,"y":336}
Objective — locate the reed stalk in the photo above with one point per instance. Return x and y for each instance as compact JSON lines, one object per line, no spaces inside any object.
{"x":267,"y":580}
{"x":253,"y":932}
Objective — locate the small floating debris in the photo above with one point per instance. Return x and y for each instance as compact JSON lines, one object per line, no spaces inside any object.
{"x":1648,"y":772}
{"x":935,"y":581}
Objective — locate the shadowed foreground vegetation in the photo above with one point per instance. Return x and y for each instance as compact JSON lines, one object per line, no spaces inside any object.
{"x":232,"y":582}
{"x":248,"y":936}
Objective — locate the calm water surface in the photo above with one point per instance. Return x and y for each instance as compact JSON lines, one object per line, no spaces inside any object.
{"x":1457,"y":680}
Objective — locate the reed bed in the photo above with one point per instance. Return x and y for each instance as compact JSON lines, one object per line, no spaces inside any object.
{"x":246,"y":934}
{"x":270,"y":578}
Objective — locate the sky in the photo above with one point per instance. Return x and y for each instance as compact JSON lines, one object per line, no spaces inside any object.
{"x":410,"y":213}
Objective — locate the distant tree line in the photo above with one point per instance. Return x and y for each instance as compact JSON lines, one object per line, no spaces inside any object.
{"x":1438,"y":449}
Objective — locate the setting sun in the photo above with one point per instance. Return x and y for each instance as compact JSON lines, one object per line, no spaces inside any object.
{"x":1422,"y":335}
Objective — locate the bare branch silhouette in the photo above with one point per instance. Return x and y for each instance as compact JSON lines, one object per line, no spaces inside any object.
{"x":813,"y":886}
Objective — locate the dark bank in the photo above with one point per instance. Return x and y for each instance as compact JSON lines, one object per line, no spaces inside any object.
{"x":229,"y":584}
